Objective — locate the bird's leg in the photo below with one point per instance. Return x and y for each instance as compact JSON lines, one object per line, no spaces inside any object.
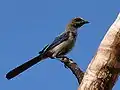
{"x":53,"y":56}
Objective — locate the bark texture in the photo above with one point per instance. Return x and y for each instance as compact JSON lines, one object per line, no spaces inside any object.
{"x":104,"y":68}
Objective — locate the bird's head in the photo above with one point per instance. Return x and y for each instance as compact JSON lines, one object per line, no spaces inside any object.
{"x":77,"y":22}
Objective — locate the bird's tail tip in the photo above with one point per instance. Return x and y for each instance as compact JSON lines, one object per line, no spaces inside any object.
{"x":8,"y":76}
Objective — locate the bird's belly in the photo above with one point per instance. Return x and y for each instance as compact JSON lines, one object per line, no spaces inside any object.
{"x":64,"y":47}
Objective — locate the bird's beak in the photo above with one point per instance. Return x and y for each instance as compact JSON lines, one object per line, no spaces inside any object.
{"x":86,"y":22}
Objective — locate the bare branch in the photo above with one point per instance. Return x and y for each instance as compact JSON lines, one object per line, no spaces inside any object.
{"x":73,"y":67}
{"x":103,"y":70}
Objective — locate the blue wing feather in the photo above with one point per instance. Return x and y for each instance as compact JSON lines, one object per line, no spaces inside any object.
{"x":58,"y":40}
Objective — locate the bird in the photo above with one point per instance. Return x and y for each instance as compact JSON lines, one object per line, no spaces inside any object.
{"x":60,"y":46}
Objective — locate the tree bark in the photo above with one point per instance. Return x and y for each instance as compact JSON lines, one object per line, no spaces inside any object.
{"x":103,"y":71}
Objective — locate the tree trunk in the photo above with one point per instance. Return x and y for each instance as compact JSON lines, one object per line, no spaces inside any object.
{"x":104,"y":68}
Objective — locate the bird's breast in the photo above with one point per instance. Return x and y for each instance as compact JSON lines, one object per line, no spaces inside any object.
{"x":64,"y":47}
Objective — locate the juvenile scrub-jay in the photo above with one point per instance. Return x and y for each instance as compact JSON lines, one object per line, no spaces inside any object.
{"x":57,"y":49}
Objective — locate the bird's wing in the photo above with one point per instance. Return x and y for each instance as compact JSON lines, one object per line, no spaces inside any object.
{"x":61,"y":38}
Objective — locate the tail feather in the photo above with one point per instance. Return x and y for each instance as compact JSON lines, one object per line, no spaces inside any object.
{"x":24,"y":67}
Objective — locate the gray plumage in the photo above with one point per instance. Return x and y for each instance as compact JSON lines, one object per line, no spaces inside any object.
{"x":58,"y":48}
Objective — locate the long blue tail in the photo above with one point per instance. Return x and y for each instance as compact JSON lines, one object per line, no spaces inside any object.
{"x":26,"y":65}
